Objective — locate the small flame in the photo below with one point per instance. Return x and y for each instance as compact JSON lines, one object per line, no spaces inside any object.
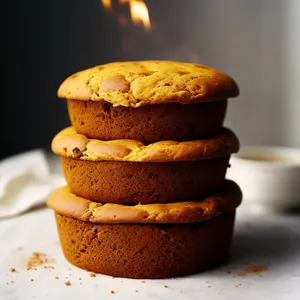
{"x":107,"y":4}
{"x":139,"y":13}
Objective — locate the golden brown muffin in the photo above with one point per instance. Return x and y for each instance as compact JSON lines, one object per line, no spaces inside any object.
{"x":146,"y":241}
{"x":145,"y":100}
{"x":132,"y":182}
{"x":146,"y":251}
{"x":150,"y":123}
{"x":128,"y":172}
{"x":68,"y":204}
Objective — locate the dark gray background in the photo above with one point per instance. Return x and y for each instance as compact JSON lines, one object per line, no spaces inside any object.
{"x":45,"y":41}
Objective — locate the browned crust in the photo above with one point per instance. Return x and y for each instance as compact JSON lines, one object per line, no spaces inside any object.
{"x":146,"y":251}
{"x":134,"y":182}
{"x":68,"y":204}
{"x":69,"y":143}
{"x":148,"y":124}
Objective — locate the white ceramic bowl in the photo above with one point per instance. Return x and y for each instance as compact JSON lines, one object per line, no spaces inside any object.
{"x":268,"y":176}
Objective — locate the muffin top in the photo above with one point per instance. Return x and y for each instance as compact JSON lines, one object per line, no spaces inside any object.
{"x":140,"y":83}
{"x":69,"y":143}
{"x":70,"y":205}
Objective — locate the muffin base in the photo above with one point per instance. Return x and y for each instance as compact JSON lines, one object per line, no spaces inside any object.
{"x":149,"y":124}
{"x":146,"y":251}
{"x":139,"y":182}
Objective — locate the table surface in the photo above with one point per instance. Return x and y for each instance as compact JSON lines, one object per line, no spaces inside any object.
{"x":272,"y":241}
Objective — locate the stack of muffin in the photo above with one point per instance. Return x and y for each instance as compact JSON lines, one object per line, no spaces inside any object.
{"x":145,"y":163}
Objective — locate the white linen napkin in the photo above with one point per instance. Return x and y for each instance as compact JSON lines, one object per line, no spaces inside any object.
{"x":25,"y":182}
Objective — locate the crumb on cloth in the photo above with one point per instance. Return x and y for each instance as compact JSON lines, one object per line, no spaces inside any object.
{"x":256,"y":269}
{"x":38,"y":259}
{"x":48,"y":267}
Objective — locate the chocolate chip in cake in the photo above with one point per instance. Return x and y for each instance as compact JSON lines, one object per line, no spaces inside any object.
{"x":77,"y":153}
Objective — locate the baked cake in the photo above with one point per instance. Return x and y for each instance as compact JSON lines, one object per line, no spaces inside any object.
{"x":145,"y":162}
{"x":146,"y":241}
{"x":146,"y":100}
{"x":129,"y":172}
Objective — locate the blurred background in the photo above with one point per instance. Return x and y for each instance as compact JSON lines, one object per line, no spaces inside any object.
{"x":256,"y":42}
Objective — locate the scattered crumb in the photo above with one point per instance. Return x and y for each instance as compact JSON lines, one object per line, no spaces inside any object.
{"x":181,"y":292}
{"x":80,"y":278}
{"x":37,"y":259}
{"x":256,"y":269}
{"x":252,"y":270}
{"x":112,"y":292}
{"x":136,"y":291}
{"x":228,"y":272}
{"x":165,"y":286}
{"x":12,"y":281}
{"x":31,"y":279}
{"x":68,"y":283}
{"x":20,"y":248}
{"x":48,"y":267}
{"x":209,"y":286}
{"x":143,"y":281}
{"x":56,"y":277}
{"x":12,"y":269}
{"x":93,"y":275}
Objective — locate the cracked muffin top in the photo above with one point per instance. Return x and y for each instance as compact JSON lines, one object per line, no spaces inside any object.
{"x":140,"y":83}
